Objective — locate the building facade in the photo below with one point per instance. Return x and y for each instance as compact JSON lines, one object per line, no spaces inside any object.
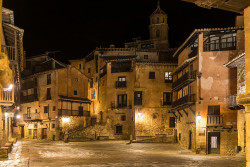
{"x":200,"y":94}
{"x":53,"y":100}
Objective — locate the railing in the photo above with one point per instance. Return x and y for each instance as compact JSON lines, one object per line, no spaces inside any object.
{"x":29,"y":98}
{"x":184,"y":100}
{"x":120,"y":84}
{"x":10,"y":51}
{"x":186,"y":78}
{"x":116,"y":49}
{"x":31,"y":116}
{"x":113,"y":106}
{"x":232,"y":103}
{"x":7,"y":97}
{"x":214,"y":120}
{"x":68,"y":112}
{"x":216,"y":46}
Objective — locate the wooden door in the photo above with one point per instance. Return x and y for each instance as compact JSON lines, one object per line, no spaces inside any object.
{"x":214,"y":143}
{"x":35,"y":134}
{"x":44,"y":133}
{"x":22,"y":131}
{"x":190,"y":140}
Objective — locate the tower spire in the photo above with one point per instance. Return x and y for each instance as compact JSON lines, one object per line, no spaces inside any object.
{"x":158,"y":3}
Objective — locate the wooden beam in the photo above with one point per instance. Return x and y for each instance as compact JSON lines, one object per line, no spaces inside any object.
{"x":192,"y":110}
{"x":174,"y":114}
{"x":179,"y":113}
{"x":185,"y":111}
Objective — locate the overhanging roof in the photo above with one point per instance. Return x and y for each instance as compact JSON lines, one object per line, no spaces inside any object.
{"x":236,"y":61}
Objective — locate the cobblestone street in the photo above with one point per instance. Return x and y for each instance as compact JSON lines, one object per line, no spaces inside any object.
{"x":111,"y":153}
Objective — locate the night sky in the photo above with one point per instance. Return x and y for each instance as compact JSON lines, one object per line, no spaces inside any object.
{"x":76,"y":27}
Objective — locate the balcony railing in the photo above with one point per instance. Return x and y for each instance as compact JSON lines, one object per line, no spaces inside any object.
{"x":185,"y":79}
{"x":214,"y":120}
{"x":29,"y":98}
{"x":193,"y":52}
{"x":121,"y":84}
{"x":232,"y":103}
{"x":68,"y":112}
{"x":31,"y":116}
{"x":188,"y":99}
{"x":120,"y":106}
{"x":7,"y":97}
{"x":10,"y":51}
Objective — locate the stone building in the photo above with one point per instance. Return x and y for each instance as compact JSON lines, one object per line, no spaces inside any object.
{"x":200,"y":93}
{"x":239,"y":63}
{"x":54,"y":99}
{"x":131,"y":87}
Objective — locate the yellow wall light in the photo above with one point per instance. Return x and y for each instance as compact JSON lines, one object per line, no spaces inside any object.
{"x":65,"y":120}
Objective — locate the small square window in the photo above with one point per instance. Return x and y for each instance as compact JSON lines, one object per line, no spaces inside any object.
{"x":123,"y":117}
{"x":118,"y":129}
{"x":46,"y":109}
{"x":145,"y":56}
{"x":76,"y":79}
{"x":151,"y":75}
{"x":89,"y":70}
{"x":35,"y":110}
{"x":75,"y":92}
{"x":54,"y":108}
{"x":53,"y":125}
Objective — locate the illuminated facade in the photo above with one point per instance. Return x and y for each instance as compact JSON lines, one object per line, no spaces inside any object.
{"x":201,"y":94}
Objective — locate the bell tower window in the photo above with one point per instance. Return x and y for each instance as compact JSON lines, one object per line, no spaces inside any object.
{"x":158,"y":20}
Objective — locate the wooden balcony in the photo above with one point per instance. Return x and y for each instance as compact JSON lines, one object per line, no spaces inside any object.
{"x":214,"y":120}
{"x":30,"y":117}
{"x":10,"y":51}
{"x":29,"y":98}
{"x":186,"y":100}
{"x":232,"y":103}
{"x":68,"y":112}
{"x":7,"y":98}
{"x":184,"y":80}
{"x":120,"y":84}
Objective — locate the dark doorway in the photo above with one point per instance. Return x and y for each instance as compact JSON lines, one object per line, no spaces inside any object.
{"x":190,"y":140}
{"x":138,"y":98}
{"x":44,"y":133}
{"x":22,"y":131}
{"x":35,"y":134}
{"x":214,"y":143}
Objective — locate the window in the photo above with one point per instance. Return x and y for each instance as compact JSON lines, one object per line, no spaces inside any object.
{"x":118,"y":129}
{"x":35,"y":110}
{"x":122,"y":100}
{"x":121,"y":79}
{"x":151,"y":75}
{"x":80,"y":66}
{"x":53,"y":125}
{"x":121,"y":83}
{"x":138,"y":98}
{"x":167,"y":98}
{"x":179,"y":137}
{"x":91,"y":83}
{"x":172,"y":122}
{"x":54,"y":108}
{"x":28,"y":112}
{"x":213,"y":110}
{"x":168,"y":77}
{"x":89,"y":70}
{"x":123,"y":117}
{"x":75,"y":92}
{"x":158,"y":20}
{"x":46,"y":109}
{"x":76,"y":79}
{"x":48,"y":79}
{"x":35,"y":82}
{"x":117,"y":67}
{"x":163,"y":20}
{"x":48,"y":93}
{"x":157,"y":33}
{"x":145,"y":56}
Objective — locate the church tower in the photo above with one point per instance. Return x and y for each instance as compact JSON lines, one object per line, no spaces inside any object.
{"x":158,"y":27}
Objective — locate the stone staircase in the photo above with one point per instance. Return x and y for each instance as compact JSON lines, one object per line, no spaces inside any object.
{"x":98,"y":131}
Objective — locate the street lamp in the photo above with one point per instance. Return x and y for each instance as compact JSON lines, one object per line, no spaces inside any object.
{"x":9,"y":88}
{"x":65,"y":120}
{"x":18,"y":116}
{"x":198,"y":117}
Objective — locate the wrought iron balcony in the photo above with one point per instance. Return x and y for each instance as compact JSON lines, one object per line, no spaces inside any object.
{"x":214,"y":120}
{"x":30,"y":117}
{"x":7,"y":98}
{"x":68,"y":112}
{"x":120,"y":84}
{"x":188,"y":99}
{"x":184,"y":80}
{"x":232,"y":103}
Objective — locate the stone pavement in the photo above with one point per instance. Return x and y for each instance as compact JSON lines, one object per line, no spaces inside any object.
{"x":111,"y":154}
{"x":15,"y":158}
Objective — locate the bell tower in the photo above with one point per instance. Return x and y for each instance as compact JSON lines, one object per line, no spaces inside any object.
{"x":158,"y":27}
